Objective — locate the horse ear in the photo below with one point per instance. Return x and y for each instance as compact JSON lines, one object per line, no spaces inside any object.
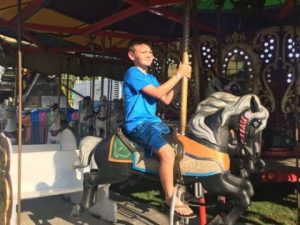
{"x":254,"y":105}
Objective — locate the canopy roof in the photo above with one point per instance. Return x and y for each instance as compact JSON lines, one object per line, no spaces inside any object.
{"x":103,"y":27}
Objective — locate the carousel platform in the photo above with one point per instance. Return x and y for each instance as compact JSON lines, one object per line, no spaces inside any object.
{"x":55,"y":210}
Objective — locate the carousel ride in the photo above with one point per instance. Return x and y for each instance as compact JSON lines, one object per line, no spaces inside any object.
{"x":256,"y":61}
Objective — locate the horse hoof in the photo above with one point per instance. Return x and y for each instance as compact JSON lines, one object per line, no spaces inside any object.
{"x":76,"y":211}
{"x":216,"y":221}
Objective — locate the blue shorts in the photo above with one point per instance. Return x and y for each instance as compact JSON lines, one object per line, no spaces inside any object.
{"x":150,"y":135}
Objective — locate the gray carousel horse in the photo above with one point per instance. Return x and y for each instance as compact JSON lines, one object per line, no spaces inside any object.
{"x":221,"y":125}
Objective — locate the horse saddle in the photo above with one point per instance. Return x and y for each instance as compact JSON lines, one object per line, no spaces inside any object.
{"x":198,"y":159}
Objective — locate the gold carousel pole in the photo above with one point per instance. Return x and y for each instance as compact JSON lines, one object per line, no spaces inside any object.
{"x":185,"y":59}
{"x":19,"y":113}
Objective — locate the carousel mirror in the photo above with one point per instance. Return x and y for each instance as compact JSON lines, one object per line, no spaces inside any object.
{"x":237,"y":68}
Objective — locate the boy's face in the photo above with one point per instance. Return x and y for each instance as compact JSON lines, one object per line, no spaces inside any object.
{"x":142,"y":56}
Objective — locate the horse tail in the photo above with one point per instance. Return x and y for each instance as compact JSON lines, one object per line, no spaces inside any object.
{"x":86,"y":148}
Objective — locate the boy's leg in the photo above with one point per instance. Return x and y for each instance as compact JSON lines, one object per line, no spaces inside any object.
{"x":167,"y":157}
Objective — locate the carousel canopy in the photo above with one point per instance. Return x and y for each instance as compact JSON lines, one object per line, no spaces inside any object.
{"x":90,"y":37}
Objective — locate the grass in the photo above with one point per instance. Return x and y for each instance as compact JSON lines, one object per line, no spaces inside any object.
{"x":274,"y":204}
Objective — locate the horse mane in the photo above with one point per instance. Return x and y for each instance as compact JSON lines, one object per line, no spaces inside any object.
{"x":230,"y":105}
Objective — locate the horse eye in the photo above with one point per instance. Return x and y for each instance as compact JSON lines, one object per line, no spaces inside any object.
{"x":256,"y":123}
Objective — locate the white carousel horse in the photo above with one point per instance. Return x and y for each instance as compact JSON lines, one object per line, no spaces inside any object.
{"x":86,"y":117}
{"x":59,"y":135}
{"x":10,"y":129}
{"x":115,"y":119}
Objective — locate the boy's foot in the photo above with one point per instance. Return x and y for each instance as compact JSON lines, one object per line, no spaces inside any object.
{"x":181,"y":209}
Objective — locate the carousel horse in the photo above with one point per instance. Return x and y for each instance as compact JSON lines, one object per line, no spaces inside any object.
{"x":86,"y":117}
{"x":100,"y":121}
{"x":222,"y":123}
{"x":10,"y":129}
{"x":101,"y":118}
{"x":57,"y":134}
{"x":117,"y":116}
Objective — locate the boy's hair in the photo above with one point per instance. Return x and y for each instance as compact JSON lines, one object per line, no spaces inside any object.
{"x":135,"y":42}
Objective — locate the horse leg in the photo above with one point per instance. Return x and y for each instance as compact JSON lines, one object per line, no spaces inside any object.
{"x":108,"y":173}
{"x":224,"y":185}
{"x":240,"y":182}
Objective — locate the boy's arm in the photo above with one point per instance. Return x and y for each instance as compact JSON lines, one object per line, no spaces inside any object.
{"x":167,"y":90}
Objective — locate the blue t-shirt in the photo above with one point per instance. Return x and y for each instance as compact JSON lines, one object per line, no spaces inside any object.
{"x":139,"y":107}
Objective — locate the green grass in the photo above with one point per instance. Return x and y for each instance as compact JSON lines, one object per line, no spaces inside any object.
{"x":274,"y":204}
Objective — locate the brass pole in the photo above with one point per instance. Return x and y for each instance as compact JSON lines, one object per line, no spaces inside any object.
{"x":185,"y":59}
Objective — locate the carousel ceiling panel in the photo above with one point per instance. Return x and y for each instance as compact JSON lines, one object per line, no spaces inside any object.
{"x":43,"y":16}
{"x":104,"y":26}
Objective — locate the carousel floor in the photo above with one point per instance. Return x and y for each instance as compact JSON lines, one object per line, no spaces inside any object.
{"x":54,"y":210}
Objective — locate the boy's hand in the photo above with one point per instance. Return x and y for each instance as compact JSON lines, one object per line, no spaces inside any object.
{"x":184,"y":70}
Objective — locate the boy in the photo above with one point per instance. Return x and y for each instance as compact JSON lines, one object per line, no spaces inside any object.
{"x":141,"y":93}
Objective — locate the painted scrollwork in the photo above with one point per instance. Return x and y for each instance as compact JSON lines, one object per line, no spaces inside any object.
{"x":291,"y":66}
{"x":266,"y":44}
{"x":208,"y":56}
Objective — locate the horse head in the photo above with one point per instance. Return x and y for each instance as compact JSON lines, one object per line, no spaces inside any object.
{"x":55,"y":115}
{"x":234,"y":125}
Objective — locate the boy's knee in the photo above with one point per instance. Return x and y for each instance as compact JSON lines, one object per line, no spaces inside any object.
{"x":167,"y":154}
